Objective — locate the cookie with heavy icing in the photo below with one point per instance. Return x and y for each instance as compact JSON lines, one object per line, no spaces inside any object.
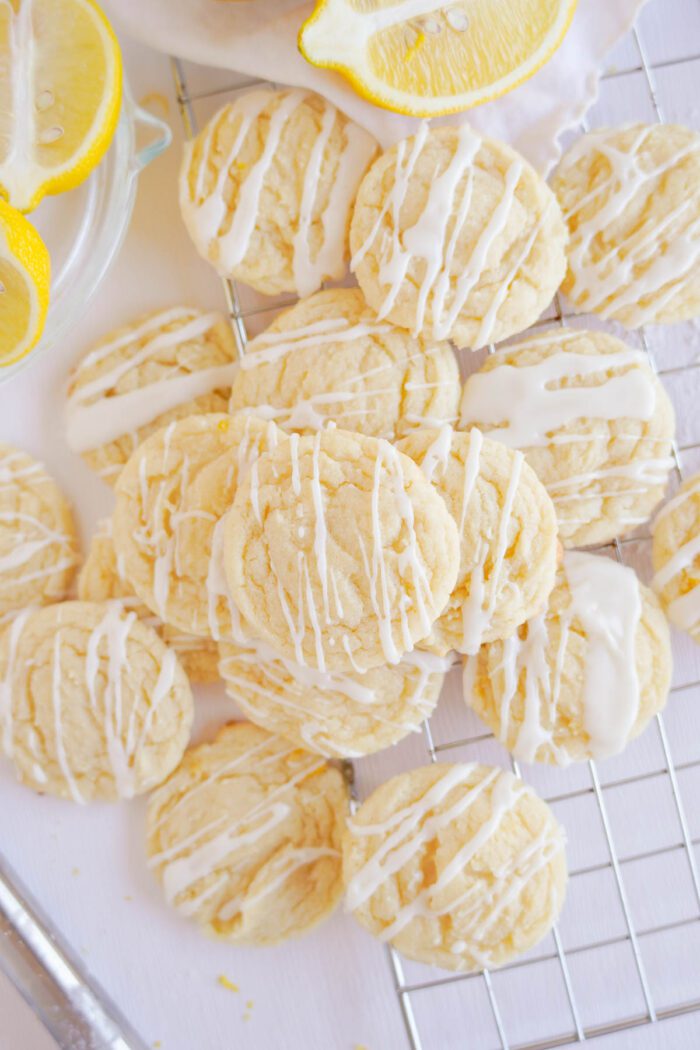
{"x":162,"y":367}
{"x":507,"y":531}
{"x":329,"y":359}
{"x":339,"y":552}
{"x":629,"y":197}
{"x":245,"y":836}
{"x":171,"y":497}
{"x":593,"y":421}
{"x":93,"y":704}
{"x":266,"y":189}
{"x":333,"y":714}
{"x":38,"y":544}
{"x":459,"y":866}
{"x":583,"y":678}
{"x":456,"y":236}
{"x":103,"y":578}
{"x":676,"y":557}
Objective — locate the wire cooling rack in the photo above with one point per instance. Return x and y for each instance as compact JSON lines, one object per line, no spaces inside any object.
{"x":644,"y":966}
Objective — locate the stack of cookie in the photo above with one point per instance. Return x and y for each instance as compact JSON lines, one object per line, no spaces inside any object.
{"x":336,"y":517}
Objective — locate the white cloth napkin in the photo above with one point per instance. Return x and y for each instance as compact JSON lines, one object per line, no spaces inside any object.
{"x":259,"y":38}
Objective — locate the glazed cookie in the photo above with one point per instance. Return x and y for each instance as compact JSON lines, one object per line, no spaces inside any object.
{"x":102,"y":578}
{"x":676,"y":557}
{"x":93,"y":704}
{"x":245,"y":836}
{"x":583,"y":678}
{"x":327,"y":358}
{"x":170,"y":499}
{"x":592,"y":419}
{"x":337,"y":715}
{"x":629,"y":196}
{"x":457,"y":236}
{"x":38,"y":545}
{"x":164,"y":366}
{"x":267,"y":187}
{"x":457,"y":866}
{"x":339,"y":552}
{"x":507,"y":530}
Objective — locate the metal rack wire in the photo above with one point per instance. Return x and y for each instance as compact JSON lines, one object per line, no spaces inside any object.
{"x":576,"y":1030}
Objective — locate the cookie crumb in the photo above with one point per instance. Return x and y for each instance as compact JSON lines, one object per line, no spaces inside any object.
{"x":225,"y":983}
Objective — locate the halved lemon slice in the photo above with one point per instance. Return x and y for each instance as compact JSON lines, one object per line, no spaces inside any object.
{"x":60,"y":91}
{"x":25,"y":270}
{"x":427,"y":57}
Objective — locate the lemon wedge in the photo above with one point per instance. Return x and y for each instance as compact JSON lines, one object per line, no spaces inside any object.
{"x":25,"y":270}
{"x":60,"y":91}
{"x":426,"y":58}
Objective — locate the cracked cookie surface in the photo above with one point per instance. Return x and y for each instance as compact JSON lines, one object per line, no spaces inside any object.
{"x":245,"y":836}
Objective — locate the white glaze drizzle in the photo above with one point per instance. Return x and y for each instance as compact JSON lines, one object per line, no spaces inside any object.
{"x":402,"y":835}
{"x":605,"y":602}
{"x":198,"y":856}
{"x":13,"y":636}
{"x":31,"y":536}
{"x":387,"y":472}
{"x":311,"y":695}
{"x":520,"y":402}
{"x":611,"y":283}
{"x":683,"y":611}
{"x":210,"y":213}
{"x":96,"y":417}
{"x":429,"y":242}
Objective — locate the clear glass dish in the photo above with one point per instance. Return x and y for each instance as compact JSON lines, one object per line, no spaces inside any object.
{"x":84,"y":228}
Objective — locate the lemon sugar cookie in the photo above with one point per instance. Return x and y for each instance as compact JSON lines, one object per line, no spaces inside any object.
{"x":337,"y":715}
{"x":266,"y":189}
{"x":507,"y":530}
{"x":459,"y":866}
{"x":676,"y":557}
{"x":38,"y":546}
{"x":164,"y":366}
{"x":583,"y":678}
{"x":456,"y":236}
{"x":338,"y":551}
{"x":93,"y":704}
{"x":170,"y":499}
{"x":593,"y":421}
{"x":629,"y":196}
{"x":102,"y":578}
{"x":245,"y":836}
{"x":328,"y":358}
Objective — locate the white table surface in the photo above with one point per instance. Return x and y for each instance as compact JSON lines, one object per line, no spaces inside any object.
{"x":332,"y":990}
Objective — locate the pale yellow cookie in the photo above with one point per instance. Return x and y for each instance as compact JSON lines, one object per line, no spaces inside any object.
{"x":245,"y":836}
{"x":38,"y":545}
{"x":508,"y":535}
{"x":337,"y":715}
{"x":593,"y":421}
{"x":328,"y":358}
{"x":458,"y":237}
{"x":676,"y":557}
{"x":583,"y":678}
{"x":266,"y":189}
{"x":163,"y":366}
{"x":102,"y":578}
{"x":93,"y":704}
{"x":459,"y":866}
{"x":630,"y":198}
{"x":338,"y":551}
{"x":170,"y":499}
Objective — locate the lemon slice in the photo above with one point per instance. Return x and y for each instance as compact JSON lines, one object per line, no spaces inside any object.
{"x":425,"y":58}
{"x":25,"y":270}
{"x":60,"y":90}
